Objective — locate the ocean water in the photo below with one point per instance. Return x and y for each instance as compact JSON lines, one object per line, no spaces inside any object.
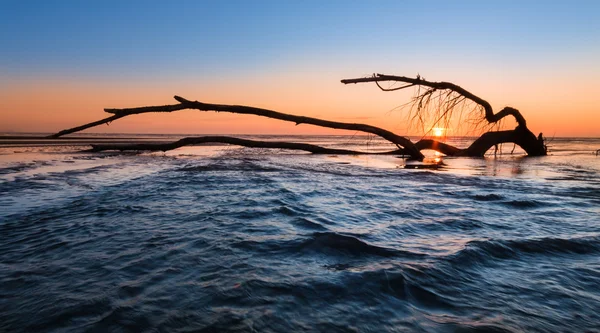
{"x":229,"y":239}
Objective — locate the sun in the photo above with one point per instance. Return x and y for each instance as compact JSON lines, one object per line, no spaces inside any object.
{"x":437,"y":131}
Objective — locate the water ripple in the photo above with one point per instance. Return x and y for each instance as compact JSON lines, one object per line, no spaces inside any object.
{"x":254,"y":241}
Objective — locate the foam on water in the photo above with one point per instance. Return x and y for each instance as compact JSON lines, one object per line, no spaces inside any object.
{"x":234,"y":239}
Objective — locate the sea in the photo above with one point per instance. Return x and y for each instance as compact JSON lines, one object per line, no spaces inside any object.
{"x":219,"y":238}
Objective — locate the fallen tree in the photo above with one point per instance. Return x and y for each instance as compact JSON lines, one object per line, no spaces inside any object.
{"x":449,"y":96}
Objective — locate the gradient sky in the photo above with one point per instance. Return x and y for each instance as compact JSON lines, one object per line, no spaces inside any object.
{"x":62,"y":62}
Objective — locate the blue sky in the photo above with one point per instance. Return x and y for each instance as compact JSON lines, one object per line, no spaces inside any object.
{"x":178,"y":37}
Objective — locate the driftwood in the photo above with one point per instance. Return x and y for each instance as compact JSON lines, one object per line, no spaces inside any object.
{"x":521,"y":135}
{"x":233,"y":141}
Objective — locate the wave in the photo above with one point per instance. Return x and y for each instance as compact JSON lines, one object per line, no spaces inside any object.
{"x":524,"y":204}
{"x":488,"y":197}
{"x":354,"y":286}
{"x":334,"y":243}
{"x":307,"y":224}
{"x":219,"y":166}
{"x":452,"y":224}
{"x":324,"y":243}
{"x":19,"y":167}
{"x":483,"y":250}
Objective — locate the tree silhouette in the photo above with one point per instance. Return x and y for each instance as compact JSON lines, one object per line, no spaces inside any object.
{"x":438,"y":100}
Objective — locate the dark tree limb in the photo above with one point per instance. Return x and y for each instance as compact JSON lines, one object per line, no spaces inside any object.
{"x":490,"y":116}
{"x":440,"y":147}
{"x":477,"y":149}
{"x":86,"y":126}
{"x":233,"y":141}
{"x":408,"y":146}
{"x":519,"y":136}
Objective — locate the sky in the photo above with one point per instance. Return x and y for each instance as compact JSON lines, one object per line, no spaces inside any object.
{"x":62,"y":62}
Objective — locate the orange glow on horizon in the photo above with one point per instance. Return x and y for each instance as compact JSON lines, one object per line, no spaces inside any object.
{"x":51,"y":105}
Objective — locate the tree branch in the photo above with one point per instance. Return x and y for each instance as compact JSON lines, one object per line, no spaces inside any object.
{"x":86,"y":126}
{"x":233,"y":141}
{"x":520,"y":136}
{"x":240,"y":109}
{"x":489,"y":112}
